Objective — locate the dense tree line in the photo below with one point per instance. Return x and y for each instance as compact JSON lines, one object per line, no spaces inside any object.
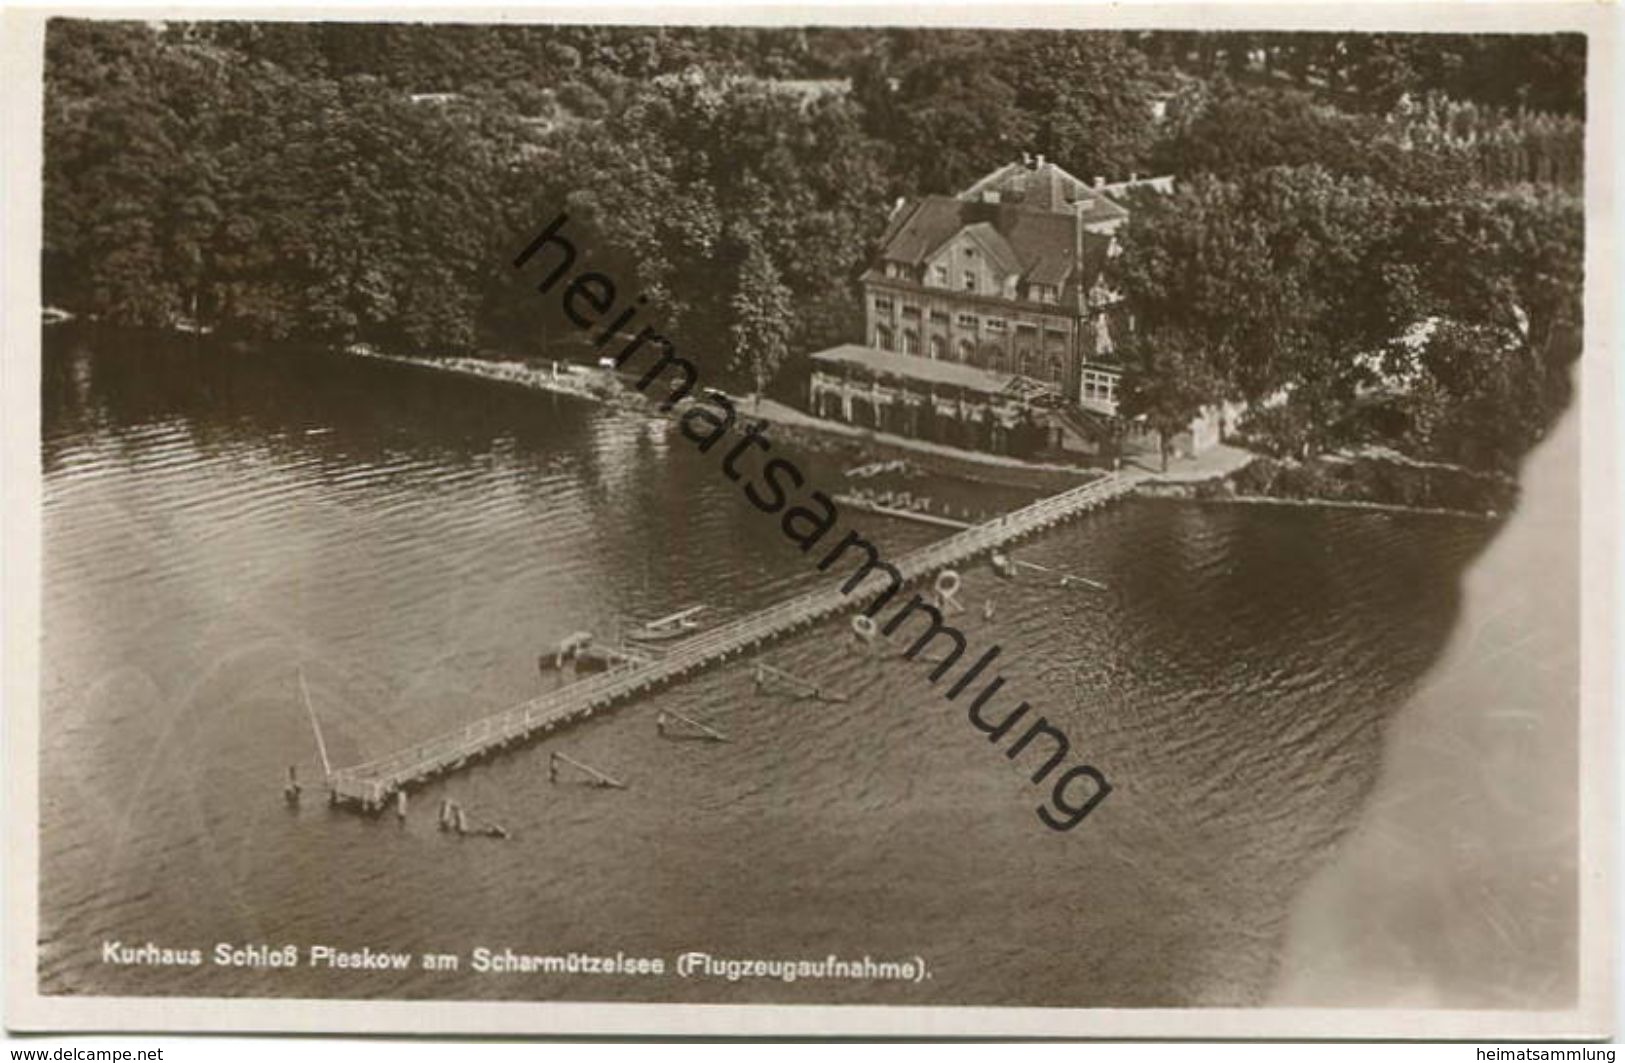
{"x":1432,"y":142}
{"x":1374,"y":71}
{"x":1342,"y":309}
{"x":183,"y":181}
{"x":370,"y":182}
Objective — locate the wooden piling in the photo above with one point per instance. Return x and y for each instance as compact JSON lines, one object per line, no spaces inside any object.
{"x":321,"y":743}
{"x":707,"y":732}
{"x":598,"y":778}
{"x":764,"y":672}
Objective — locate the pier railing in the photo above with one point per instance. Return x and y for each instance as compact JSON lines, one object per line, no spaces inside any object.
{"x":371,"y":783}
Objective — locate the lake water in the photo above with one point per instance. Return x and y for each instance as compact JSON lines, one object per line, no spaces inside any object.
{"x":217,"y":520}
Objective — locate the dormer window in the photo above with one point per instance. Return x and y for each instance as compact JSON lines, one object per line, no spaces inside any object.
{"x":940,"y":275}
{"x":898,"y":270}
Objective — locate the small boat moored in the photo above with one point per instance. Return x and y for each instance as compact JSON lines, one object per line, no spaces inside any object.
{"x":674,"y":626}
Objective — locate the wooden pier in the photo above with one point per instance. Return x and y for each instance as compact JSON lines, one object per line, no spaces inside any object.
{"x":371,"y":785}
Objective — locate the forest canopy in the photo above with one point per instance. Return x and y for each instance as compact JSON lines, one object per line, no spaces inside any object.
{"x":341,"y":183}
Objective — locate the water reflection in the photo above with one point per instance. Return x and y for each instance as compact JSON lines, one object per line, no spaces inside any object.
{"x":216,"y":519}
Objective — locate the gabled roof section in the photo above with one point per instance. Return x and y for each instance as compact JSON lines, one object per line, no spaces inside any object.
{"x":1100,"y":209}
{"x":1041,"y":185}
{"x":1039,"y":246}
{"x":994,"y":246}
{"x":920,"y":228}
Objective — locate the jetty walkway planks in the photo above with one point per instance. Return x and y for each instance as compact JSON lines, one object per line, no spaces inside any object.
{"x":370,"y":785}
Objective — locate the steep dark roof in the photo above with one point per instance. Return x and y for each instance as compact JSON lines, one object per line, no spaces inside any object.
{"x":996,"y":246}
{"x":920,"y":228}
{"x":1042,"y":242}
{"x":1100,"y":209}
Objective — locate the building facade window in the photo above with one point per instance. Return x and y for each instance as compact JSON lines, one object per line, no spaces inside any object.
{"x":939,"y":317}
{"x":967,"y":321}
{"x":939,"y":274}
{"x":967,"y":350}
{"x":970,"y":280}
{"x":883,"y":304}
{"x":1099,"y":387}
{"x":995,"y":324}
{"x":883,"y":337}
{"x":911,"y":341}
{"x":939,"y":348}
{"x":911,"y":311}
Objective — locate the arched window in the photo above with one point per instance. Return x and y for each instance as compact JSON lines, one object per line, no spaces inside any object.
{"x":883,"y":337}
{"x":911,"y":341}
{"x":967,"y":349}
{"x":939,"y":348}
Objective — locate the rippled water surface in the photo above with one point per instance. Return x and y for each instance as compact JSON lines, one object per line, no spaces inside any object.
{"x":216,"y":520}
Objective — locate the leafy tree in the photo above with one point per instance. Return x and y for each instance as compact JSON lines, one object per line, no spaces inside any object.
{"x":340,"y":182}
{"x":1167,"y":380}
{"x":1284,"y":281}
{"x":762,"y":317}
{"x":1504,"y":280}
{"x":1090,"y":97}
{"x":952,"y":114}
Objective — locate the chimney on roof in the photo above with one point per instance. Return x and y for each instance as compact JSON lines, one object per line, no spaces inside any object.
{"x":1050,"y":195}
{"x":1040,"y":161}
{"x":1026,"y":159}
{"x":1100,"y":182}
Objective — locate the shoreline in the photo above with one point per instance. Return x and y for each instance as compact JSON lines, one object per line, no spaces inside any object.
{"x":1157,"y":492}
{"x":1375,"y":482}
{"x":788,"y":423}
{"x":1380,"y":482}
{"x":1464,"y":858}
{"x":1226,"y":474}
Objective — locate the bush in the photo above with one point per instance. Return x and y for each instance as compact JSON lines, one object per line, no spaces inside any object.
{"x":1375,"y":480}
